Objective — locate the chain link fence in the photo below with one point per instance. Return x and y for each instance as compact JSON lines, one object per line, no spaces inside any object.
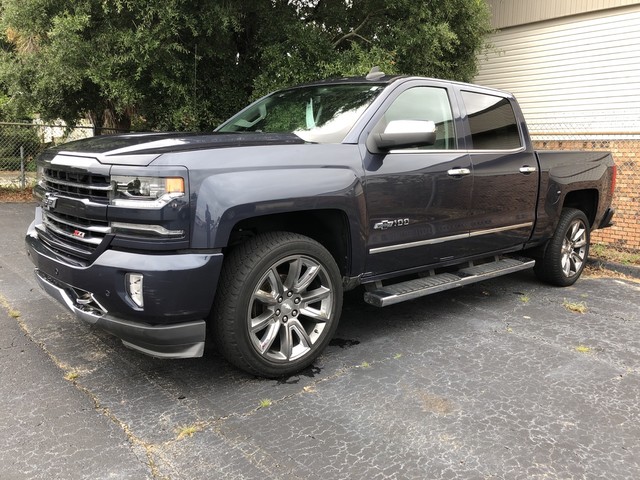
{"x":20,"y":144}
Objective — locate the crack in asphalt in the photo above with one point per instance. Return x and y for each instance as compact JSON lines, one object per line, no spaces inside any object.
{"x":153,"y":450}
{"x":105,"y":411}
{"x":159,"y":457}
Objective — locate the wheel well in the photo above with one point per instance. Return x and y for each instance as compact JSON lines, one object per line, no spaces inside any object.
{"x":585,"y":200}
{"x":330,"y":228}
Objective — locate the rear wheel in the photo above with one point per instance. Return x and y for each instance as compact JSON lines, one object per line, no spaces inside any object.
{"x":278,"y":304}
{"x":566,"y":253}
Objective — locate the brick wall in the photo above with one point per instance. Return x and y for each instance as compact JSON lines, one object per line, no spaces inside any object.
{"x":625,"y":234}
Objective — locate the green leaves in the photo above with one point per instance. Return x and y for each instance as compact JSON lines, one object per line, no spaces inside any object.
{"x":188,"y":65}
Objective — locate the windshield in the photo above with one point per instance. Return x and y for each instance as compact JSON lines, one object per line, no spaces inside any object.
{"x":319,"y":114}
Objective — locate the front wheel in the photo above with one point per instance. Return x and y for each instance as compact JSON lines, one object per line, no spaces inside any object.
{"x":278,"y":304}
{"x":566,"y":253}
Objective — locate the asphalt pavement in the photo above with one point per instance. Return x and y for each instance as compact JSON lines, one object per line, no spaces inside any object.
{"x":501,"y":380}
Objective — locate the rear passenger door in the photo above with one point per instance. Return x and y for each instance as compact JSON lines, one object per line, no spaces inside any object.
{"x":505,"y":174}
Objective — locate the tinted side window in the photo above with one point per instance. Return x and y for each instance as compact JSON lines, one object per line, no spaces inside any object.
{"x":492,"y":122}
{"x":425,"y":103}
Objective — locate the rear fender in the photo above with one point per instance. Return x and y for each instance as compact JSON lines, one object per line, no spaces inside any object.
{"x":569,"y":179}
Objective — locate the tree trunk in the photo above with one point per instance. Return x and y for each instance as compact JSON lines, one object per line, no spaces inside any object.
{"x":107,"y":121}
{"x":96,"y":121}
{"x":114,"y":122}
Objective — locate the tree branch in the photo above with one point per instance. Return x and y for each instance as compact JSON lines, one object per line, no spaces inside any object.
{"x":354,"y":32}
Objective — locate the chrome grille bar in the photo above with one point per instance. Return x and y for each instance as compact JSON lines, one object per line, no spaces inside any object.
{"x":77,"y":184}
{"x":74,"y":235}
{"x":84,"y":186}
{"x":103,"y":230}
{"x":95,"y":241}
{"x":56,"y":243}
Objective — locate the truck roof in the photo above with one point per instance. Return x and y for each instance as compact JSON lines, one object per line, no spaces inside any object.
{"x":380,"y":78}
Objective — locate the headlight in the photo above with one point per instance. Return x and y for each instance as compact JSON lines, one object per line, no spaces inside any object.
{"x":146,"y":192}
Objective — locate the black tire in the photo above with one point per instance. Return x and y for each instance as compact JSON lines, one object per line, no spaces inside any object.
{"x":565,"y":255}
{"x":278,"y":304}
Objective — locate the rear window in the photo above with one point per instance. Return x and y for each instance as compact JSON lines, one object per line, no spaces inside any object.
{"x":492,"y":122}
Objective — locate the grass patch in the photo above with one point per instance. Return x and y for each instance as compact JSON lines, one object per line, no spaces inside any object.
{"x":265,"y":403}
{"x":365,"y":365}
{"x":583,"y":349}
{"x":188,"y":431}
{"x":71,"y":376}
{"x":14,"y":313}
{"x":576,"y":307}
{"x":604,"y":252}
{"x":525,"y":299}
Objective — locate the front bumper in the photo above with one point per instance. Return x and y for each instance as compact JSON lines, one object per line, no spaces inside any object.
{"x":178,"y":295}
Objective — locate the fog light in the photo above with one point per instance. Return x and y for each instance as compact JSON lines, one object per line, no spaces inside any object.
{"x":133,"y":283}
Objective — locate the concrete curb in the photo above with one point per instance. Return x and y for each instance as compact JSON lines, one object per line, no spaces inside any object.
{"x":630,"y":270}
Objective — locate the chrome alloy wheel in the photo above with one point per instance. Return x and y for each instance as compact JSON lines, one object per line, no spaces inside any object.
{"x":574,"y":248}
{"x":289,"y":309}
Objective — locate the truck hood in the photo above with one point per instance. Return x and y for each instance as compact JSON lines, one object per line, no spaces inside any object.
{"x":142,"y":148}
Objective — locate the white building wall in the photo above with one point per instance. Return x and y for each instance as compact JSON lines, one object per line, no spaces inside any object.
{"x":578,"y":74}
{"x":509,"y":13}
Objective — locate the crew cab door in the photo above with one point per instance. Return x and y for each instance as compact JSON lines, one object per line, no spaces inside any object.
{"x":418,"y":198}
{"x":505,"y":173}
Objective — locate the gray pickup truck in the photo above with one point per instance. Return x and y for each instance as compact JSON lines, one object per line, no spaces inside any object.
{"x":250,"y":235}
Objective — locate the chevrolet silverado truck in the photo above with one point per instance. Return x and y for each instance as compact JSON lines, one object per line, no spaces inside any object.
{"x":402,"y":186}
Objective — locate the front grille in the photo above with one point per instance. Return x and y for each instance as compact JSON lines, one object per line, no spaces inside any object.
{"x":75,"y":237}
{"x":78,"y":184}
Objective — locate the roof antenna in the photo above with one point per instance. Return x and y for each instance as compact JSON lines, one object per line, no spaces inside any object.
{"x":375,"y":74}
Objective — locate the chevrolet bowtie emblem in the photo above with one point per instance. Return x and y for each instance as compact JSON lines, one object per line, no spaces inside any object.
{"x":396,"y":222}
{"x":49,"y":201}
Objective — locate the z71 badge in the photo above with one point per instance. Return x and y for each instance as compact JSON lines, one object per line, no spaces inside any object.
{"x":397,"y":222}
